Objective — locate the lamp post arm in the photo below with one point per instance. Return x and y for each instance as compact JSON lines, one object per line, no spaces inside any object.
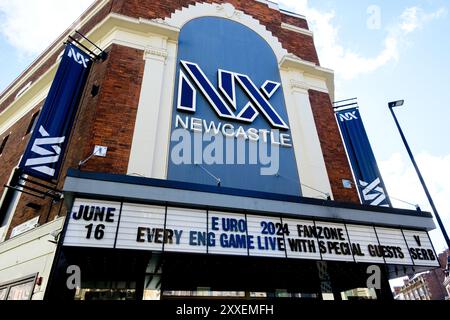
{"x":422,"y":181}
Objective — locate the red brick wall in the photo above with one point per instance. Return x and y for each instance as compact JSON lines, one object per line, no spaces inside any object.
{"x":336,"y":161}
{"x":115,"y":115}
{"x":435,"y":284}
{"x":301,"y":23}
{"x":298,"y":44}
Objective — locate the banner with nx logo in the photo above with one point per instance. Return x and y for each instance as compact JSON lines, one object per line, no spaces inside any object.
{"x":367,"y":174}
{"x":43,"y":155}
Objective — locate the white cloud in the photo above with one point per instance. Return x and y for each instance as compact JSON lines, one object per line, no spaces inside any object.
{"x":414,"y":18}
{"x":402,"y":183}
{"x":32,"y":25}
{"x":347,"y":63}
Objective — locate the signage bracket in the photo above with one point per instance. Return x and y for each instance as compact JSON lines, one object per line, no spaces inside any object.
{"x":47,"y":191}
{"x":101,"y":56}
{"x":345,"y":104}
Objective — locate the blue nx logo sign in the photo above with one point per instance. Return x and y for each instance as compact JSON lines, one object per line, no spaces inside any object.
{"x":229,"y":121}
{"x":225,"y":105}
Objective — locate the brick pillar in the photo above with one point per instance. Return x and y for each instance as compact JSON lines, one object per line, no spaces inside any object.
{"x":336,"y":160}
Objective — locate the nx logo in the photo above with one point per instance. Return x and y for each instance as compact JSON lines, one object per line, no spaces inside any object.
{"x":348,"y":116}
{"x":78,"y":57}
{"x":225,"y":105}
{"x":41,"y":164}
{"x":373,"y":192}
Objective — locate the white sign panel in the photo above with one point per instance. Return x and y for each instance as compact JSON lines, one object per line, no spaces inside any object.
{"x":420,"y":248}
{"x":267,"y":235}
{"x":92,"y":224}
{"x":228,"y":233}
{"x":131,"y":226}
{"x":367,"y":239}
{"x":301,"y":240}
{"x":392,"y":246}
{"x":190,"y":227}
{"x":142,"y":228}
{"x":333,"y":242}
{"x":24,"y":227}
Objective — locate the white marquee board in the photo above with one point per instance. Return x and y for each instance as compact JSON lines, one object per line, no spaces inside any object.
{"x":104,"y":224}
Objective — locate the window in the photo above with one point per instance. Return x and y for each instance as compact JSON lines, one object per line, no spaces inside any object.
{"x":2,"y":146}
{"x":21,"y":289}
{"x":3,"y":292}
{"x":32,"y":124}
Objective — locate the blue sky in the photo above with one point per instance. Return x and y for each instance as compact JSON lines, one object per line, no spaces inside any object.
{"x":401,"y":52}
{"x":420,"y":75}
{"x":380,"y":50}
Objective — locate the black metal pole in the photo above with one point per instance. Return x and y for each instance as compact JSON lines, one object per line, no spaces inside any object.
{"x":422,"y":181}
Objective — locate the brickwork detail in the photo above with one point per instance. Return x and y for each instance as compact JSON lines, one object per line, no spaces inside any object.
{"x":336,"y":161}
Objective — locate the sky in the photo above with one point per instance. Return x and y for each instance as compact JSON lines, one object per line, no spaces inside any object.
{"x":380,"y":51}
{"x":384,"y":51}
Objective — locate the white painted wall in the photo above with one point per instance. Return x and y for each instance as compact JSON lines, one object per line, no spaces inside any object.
{"x":150,"y":147}
{"x":30,"y":253}
{"x":308,"y":152}
{"x":147,"y":125}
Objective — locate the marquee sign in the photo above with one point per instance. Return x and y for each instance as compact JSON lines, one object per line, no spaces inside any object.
{"x":114,"y":225}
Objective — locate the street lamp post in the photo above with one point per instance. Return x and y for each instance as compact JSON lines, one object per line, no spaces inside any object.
{"x":400,"y":103}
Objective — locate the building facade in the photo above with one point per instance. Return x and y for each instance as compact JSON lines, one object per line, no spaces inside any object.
{"x":204,"y":160}
{"x":429,"y":285}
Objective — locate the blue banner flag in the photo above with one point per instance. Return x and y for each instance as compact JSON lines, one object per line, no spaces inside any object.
{"x":370,"y":184}
{"x":44,"y":153}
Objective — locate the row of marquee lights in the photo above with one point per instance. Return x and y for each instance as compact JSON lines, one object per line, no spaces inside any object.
{"x":104,"y":224}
